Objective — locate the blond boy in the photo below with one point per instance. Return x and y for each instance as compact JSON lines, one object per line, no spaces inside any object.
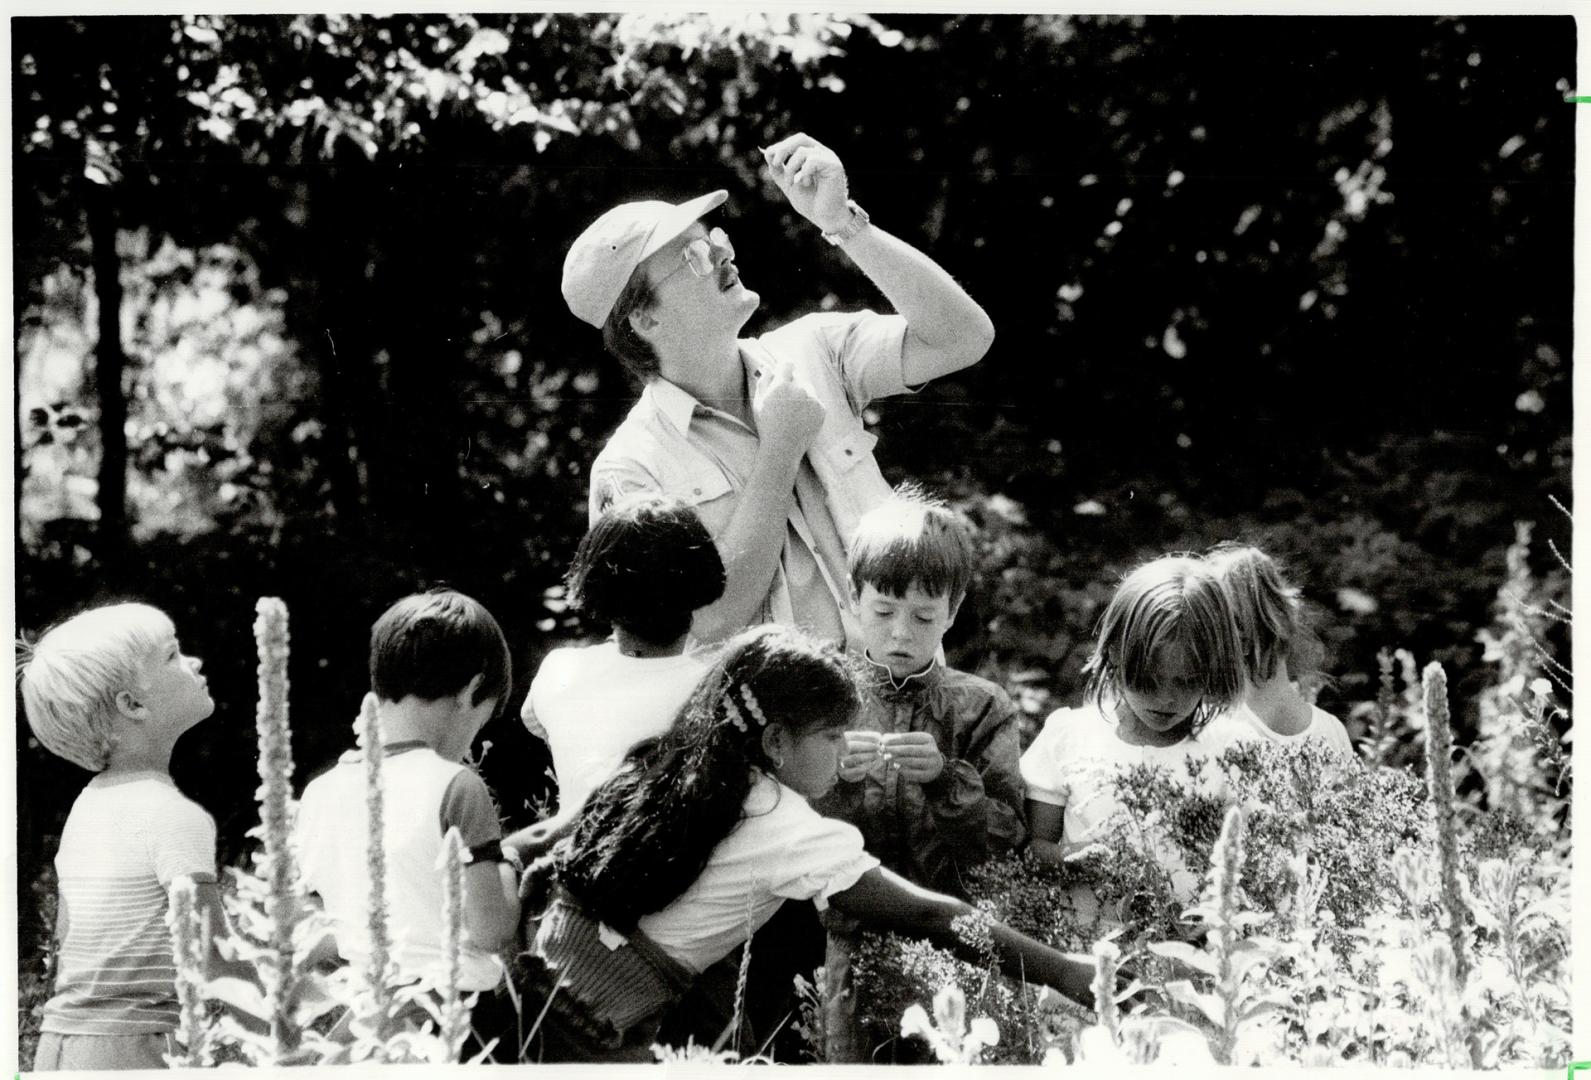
{"x":111,"y":690}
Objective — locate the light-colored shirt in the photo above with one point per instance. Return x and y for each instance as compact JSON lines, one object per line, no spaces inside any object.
{"x":126,"y":838}
{"x":423,"y":795}
{"x":673,"y":444}
{"x":1241,"y":723}
{"x":593,"y":704}
{"x":781,"y":849}
{"x":1074,"y":762}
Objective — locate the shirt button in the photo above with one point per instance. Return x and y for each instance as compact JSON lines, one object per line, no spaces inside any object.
{"x":698,"y":491}
{"x":847,"y":453}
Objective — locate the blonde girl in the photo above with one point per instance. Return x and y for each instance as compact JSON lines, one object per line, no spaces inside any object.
{"x":1165,"y":661}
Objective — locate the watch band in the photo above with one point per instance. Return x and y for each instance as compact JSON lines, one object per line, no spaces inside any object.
{"x":859,"y":221}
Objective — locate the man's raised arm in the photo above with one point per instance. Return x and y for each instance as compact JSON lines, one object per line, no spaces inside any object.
{"x":946,"y":329}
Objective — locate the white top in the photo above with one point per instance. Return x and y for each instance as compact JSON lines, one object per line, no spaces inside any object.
{"x":592,"y":704}
{"x":1244,"y":723}
{"x":331,"y":843}
{"x":781,"y":850}
{"x":1074,"y":762}
{"x":126,"y":838}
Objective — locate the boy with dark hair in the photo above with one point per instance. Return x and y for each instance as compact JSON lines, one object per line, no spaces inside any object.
{"x":930,"y":774}
{"x":439,"y":669}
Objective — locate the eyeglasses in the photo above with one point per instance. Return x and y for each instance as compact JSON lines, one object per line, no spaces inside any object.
{"x":697,"y":256}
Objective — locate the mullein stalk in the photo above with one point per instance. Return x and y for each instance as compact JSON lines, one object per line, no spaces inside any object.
{"x":1439,"y":784}
{"x":275,"y":795}
{"x":373,"y":745}
{"x":1226,"y":865}
{"x":188,"y":948}
{"x":1106,"y":958}
{"x":455,"y":1017}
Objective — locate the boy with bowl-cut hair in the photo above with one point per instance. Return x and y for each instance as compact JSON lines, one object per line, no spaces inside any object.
{"x":111,"y":690}
{"x":931,"y":772}
{"x":439,"y":669}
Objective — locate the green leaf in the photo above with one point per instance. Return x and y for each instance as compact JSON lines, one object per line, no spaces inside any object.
{"x":1184,"y":953}
{"x":1213,"y":1008}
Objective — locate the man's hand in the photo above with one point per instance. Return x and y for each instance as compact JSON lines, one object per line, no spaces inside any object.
{"x":790,"y":416}
{"x":811,"y":177}
{"x":861,"y":754}
{"x":916,"y":755}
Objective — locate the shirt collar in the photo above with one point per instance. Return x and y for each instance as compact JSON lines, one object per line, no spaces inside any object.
{"x":677,"y":406}
{"x":673,"y":404}
{"x":917,"y":680}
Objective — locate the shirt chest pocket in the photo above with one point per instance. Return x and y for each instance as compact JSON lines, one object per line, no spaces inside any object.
{"x":849,"y":448}
{"x":695,"y":486}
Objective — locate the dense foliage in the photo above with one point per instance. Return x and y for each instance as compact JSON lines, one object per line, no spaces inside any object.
{"x":1356,"y":912}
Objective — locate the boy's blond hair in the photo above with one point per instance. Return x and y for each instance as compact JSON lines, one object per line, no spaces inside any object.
{"x":71,"y":677}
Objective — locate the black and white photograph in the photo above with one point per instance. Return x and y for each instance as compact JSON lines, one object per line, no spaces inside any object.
{"x":846,"y":538}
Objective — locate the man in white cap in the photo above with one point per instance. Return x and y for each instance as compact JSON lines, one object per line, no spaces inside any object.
{"x":763,"y":436}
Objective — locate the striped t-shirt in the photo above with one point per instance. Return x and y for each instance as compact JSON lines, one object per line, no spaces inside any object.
{"x":125,"y":840}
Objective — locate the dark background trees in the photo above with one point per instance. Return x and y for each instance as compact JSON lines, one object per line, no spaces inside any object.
{"x":1305,"y":281}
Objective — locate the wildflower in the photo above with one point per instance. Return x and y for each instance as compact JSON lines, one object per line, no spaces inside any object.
{"x":1540,"y":687}
{"x":952,"y":1039}
{"x":455,"y":1017}
{"x":187,"y":939}
{"x":1439,"y":781}
{"x":275,"y":797}
{"x":371,"y":742}
{"x":1106,"y":957}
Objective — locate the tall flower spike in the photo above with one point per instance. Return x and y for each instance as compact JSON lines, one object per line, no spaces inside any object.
{"x":373,"y":746}
{"x":1439,"y":783}
{"x":275,"y":795}
{"x":1106,"y":957}
{"x":187,"y":941}
{"x":1226,"y":871}
{"x":751,"y":705}
{"x":455,"y":1017}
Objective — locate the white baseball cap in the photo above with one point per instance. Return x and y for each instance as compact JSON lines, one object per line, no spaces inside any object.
{"x":602,"y":258}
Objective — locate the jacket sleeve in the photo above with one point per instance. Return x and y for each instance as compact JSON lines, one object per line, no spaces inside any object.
{"x":974,"y":807}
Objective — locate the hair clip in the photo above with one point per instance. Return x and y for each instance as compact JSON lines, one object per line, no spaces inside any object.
{"x":733,"y":713}
{"x":751,"y":705}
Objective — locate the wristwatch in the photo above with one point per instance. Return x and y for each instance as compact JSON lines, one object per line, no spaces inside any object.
{"x":859,"y":221}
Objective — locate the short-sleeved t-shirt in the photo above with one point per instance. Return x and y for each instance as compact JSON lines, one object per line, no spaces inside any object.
{"x":781,"y":849}
{"x":593,"y":704}
{"x":127,"y":837}
{"x":1241,"y":723}
{"x":1074,"y":763}
{"x":423,"y":796}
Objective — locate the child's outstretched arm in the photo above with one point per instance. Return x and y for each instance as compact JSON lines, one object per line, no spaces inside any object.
{"x":885,"y":901}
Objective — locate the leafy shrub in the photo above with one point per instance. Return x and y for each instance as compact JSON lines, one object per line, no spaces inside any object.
{"x":1329,"y":931}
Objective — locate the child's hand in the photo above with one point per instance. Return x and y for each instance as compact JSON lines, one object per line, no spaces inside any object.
{"x":860,"y":755}
{"x":916,"y":755}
